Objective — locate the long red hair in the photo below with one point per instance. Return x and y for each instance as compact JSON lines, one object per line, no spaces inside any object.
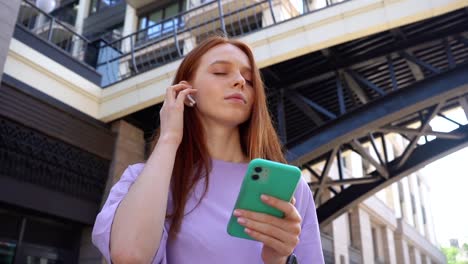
{"x":192,"y":162}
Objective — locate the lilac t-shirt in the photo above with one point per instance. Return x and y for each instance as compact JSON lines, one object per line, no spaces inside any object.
{"x":203,"y":237}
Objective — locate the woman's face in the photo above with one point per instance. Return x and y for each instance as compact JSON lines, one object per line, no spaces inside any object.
{"x":223,"y":81}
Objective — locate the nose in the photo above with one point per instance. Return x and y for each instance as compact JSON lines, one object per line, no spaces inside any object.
{"x":239,"y":81}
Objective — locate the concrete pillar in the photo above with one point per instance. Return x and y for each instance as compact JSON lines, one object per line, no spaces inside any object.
{"x":361,"y":234}
{"x":129,"y":27}
{"x":8,"y":14}
{"x":415,"y":255}
{"x":340,"y":238}
{"x":389,"y":245}
{"x":402,"y":253}
{"x":129,"y":149}
{"x":82,"y":14}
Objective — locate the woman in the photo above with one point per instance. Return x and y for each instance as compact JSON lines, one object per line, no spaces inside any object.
{"x":169,"y":210}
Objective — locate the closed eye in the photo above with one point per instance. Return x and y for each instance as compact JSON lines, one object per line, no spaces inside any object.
{"x":219,"y":73}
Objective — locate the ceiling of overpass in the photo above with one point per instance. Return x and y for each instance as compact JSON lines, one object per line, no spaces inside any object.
{"x":314,"y":90}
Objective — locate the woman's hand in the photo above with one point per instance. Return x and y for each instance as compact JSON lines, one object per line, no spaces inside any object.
{"x":172,"y":112}
{"x":279,"y":235}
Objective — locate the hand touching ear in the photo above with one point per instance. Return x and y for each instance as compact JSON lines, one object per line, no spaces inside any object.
{"x":189,"y":101}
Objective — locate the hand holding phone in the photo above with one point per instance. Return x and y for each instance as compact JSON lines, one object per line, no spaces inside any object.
{"x":264,"y":177}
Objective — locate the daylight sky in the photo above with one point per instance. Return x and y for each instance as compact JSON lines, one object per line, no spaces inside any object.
{"x":448,"y":180}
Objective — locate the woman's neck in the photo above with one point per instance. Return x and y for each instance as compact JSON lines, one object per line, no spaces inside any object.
{"x":223,"y":143}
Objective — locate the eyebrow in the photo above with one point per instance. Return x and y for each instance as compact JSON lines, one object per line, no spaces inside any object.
{"x":230,"y":63}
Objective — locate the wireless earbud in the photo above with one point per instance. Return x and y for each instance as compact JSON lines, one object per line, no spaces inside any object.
{"x":192,"y":101}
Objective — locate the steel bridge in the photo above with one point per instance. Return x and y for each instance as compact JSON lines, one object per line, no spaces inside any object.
{"x":353,"y":96}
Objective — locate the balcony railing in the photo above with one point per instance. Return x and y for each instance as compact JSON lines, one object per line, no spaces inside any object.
{"x":56,"y":32}
{"x":173,"y":38}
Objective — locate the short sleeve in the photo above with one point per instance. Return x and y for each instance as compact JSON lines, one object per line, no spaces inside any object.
{"x":309,"y":249}
{"x":104,"y":220}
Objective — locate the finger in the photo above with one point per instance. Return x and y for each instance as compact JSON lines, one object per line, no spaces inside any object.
{"x":264,"y":218}
{"x":183,"y":95}
{"x":172,"y":91}
{"x":287,"y":208}
{"x":275,"y":244}
{"x":270,"y":230}
{"x":293,"y":201}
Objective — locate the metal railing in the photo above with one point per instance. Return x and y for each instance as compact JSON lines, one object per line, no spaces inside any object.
{"x":52,"y":30}
{"x":172,"y":38}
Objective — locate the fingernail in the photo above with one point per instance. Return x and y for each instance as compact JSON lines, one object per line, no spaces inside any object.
{"x":237,"y":213}
{"x":241,"y":220}
{"x":248,"y":231}
{"x":264,"y":197}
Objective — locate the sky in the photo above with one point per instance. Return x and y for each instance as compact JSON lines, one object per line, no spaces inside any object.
{"x":448,"y":183}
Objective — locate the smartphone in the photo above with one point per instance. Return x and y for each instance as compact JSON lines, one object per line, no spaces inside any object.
{"x":263,"y":177}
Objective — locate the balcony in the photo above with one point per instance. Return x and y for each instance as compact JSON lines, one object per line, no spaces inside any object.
{"x":174,"y":37}
{"x":138,"y":3}
{"x":52,"y":29}
{"x":247,"y":14}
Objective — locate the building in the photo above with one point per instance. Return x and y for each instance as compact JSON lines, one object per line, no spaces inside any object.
{"x":393,"y":226}
{"x":82,"y":84}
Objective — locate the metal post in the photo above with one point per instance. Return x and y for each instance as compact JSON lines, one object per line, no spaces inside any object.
{"x":132,"y":51}
{"x":340,"y":167}
{"x":18,"y":248}
{"x":271,"y":10}
{"x":51,"y":29}
{"x":305,"y":6}
{"x":175,"y":25}
{"x":221,"y":17}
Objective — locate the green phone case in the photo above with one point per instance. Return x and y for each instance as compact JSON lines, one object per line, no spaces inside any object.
{"x":276,"y":179}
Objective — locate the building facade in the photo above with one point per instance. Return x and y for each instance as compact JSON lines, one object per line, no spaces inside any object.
{"x":81,"y":88}
{"x":393,"y":226}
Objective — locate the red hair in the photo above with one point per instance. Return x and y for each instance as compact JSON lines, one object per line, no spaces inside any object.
{"x":257,"y":134}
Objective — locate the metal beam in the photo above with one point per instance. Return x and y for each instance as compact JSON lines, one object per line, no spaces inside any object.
{"x":325,"y":172}
{"x":413,"y":132}
{"x":377,"y":114}
{"x":315,"y":174}
{"x":312,"y":104}
{"x":339,"y":160}
{"x":354,"y":86}
{"x":422,"y":156}
{"x":463,"y":100}
{"x":281,"y":118}
{"x":361,"y":151}
{"x":349,"y":181}
{"x":419,"y":62}
{"x":374,"y":146}
{"x":339,"y":94}
{"x":424,"y":125}
{"x":304,"y":107}
{"x":449,"y":119}
{"x":366,"y":82}
{"x":391,"y":69}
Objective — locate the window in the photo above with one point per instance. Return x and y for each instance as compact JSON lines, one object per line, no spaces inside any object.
{"x":66,"y":12}
{"x":157,"y":23}
{"x":99,"y":5}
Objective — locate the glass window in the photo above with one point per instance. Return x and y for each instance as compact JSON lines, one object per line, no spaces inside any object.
{"x":99,"y":5}
{"x":153,"y":24}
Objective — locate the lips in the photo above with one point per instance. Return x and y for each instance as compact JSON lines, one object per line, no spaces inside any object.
{"x":236,"y":96}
